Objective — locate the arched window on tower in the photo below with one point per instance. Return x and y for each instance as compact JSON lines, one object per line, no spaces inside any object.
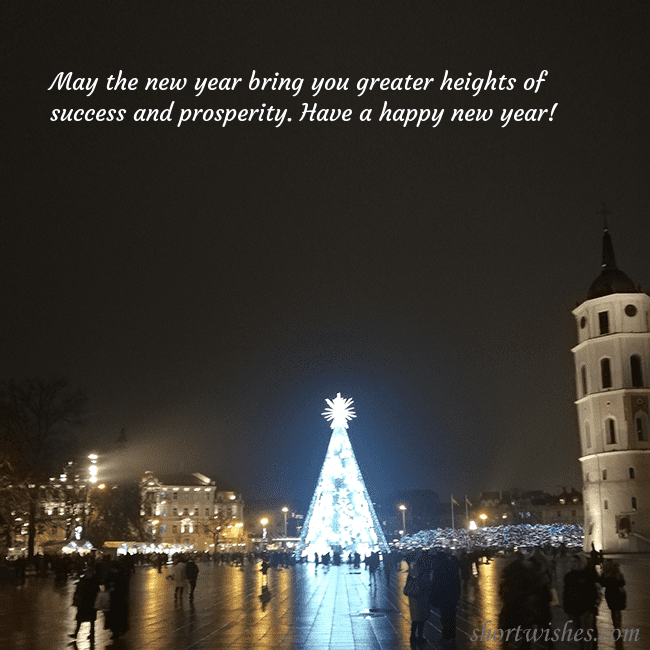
{"x":636,"y":370}
{"x":633,"y":503}
{"x":640,"y":428}
{"x":606,"y":373}
{"x":583,"y":377}
{"x":587,"y":435}
{"x":603,"y":321}
{"x":610,"y":427}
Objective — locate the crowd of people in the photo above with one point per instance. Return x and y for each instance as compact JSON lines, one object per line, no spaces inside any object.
{"x":104,"y":585}
{"x":435,"y":577}
{"x":507,"y":538}
{"x":526,"y":591}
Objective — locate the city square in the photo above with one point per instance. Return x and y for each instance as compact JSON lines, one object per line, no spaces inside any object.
{"x":326,"y":326}
{"x":310,"y":608}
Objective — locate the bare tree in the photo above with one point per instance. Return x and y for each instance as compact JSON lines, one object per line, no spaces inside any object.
{"x":216,"y":527}
{"x":116,"y":514}
{"x":36,"y":419}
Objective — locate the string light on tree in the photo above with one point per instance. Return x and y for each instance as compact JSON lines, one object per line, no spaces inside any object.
{"x":341,"y":517}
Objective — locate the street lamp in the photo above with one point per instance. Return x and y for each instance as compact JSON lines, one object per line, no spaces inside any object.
{"x":483,"y":517}
{"x":92,"y":470}
{"x":264,"y":521}
{"x":93,"y":467}
{"x":403,"y":509}
{"x":285,"y":510}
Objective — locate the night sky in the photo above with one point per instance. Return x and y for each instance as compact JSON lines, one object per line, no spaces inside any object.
{"x":210,"y":286}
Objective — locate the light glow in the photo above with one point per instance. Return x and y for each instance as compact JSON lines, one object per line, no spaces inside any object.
{"x":339,"y":411}
{"x":341,"y":517}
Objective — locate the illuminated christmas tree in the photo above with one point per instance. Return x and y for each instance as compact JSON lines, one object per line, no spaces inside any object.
{"x":341,"y":517}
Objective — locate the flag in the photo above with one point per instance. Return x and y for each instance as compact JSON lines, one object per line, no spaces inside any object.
{"x":454,"y":501}
{"x":468,"y":502}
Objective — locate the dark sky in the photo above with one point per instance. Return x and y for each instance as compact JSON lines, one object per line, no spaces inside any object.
{"x":210,"y":286}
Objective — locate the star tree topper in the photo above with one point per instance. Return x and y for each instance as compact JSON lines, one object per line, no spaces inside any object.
{"x":339,"y":411}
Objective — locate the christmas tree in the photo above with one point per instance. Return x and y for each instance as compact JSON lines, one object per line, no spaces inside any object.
{"x":341,"y":517}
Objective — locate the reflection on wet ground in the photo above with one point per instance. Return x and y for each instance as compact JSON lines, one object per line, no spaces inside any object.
{"x":304,"y":608}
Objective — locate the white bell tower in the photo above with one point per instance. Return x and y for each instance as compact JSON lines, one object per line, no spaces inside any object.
{"x":612,"y":361}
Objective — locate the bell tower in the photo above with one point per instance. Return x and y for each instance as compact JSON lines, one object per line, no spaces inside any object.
{"x":612,"y":363}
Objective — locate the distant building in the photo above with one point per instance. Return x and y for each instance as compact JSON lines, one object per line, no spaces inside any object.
{"x":612,"y":363}
{"x":190,"y":513}
{"x":63,"y":511}
{"x":528,"y":507}
{"x":566,"y":508}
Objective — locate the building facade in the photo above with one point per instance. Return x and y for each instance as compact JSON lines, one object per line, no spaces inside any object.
{"x":190,"y":513}
{"x":528,"y":507}
{"x":612,"y":366}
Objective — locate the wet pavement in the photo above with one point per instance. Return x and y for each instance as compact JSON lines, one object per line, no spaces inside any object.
{"x":335,"y":608}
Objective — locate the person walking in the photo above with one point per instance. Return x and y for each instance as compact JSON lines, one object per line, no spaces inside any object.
{"x":444,"y":593}
{"x":117,"y":583}
{"x":192,"y":572}
{"x":84,"y":601}
{"x":615,"y":595}
{"x":179,"y":574}
{"x":581,"y":595}
{"x":419,"y":576}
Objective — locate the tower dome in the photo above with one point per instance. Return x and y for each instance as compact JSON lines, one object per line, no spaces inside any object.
{"x":611,"y":280}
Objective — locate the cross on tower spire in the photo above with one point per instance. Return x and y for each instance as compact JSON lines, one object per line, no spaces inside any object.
{"x":605,"y":212}
{"x":609,"y":260}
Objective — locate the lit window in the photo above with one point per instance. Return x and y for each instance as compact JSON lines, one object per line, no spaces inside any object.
{"x":633,"y":503}
{"x":606,"y":373}
{"x":636,"y":371}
